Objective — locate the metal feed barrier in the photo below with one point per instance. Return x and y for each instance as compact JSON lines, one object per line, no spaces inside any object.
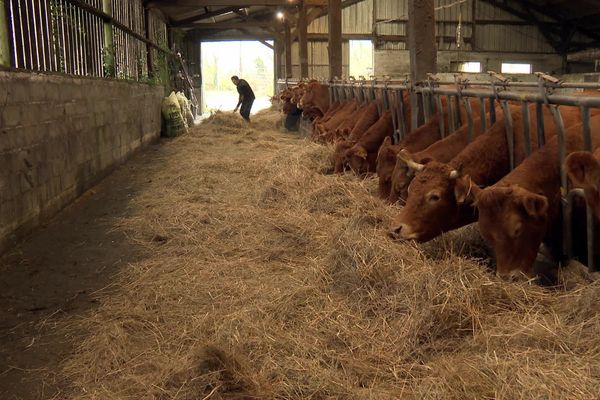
{"x":427,"y":96}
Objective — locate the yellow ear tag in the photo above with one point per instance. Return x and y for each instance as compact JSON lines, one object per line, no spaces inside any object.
{"x":563,"y":191}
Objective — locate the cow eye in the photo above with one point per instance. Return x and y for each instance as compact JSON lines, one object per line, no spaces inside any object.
{"x":433,"y":198}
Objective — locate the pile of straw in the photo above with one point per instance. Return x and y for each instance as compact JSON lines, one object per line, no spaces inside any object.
{"x":266,"y":278}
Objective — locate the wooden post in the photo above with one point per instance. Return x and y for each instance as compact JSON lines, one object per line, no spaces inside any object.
{"x":302,"y":42}
{"x":5,"y":57}
{"x":335,"y":38}
{"x":149,"y":50}
{"x":421,"y":46}
{"x":288,"y":51}
{"x":278,"y":59}
{"x":421,"y":39}
{"x":109,"y":48}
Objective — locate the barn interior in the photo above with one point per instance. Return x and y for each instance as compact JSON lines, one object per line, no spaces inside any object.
{"x":189,"y":254}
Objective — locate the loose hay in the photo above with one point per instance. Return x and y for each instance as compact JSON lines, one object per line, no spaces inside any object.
{"x":273,"y":280}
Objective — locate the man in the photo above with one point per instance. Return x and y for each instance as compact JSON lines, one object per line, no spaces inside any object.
{"x":246,"y":97}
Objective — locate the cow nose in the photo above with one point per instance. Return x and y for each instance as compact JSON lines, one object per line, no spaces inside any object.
{"x":395,"y":231}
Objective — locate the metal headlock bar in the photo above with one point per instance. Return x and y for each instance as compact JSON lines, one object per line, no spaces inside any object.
{"x":389,"y":95}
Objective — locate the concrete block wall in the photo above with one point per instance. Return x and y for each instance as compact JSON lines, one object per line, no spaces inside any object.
{"x":60,"y":135}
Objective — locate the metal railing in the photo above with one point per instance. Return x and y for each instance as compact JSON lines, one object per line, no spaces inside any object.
{"x":427,"y":97}
{"x":97,"y":38}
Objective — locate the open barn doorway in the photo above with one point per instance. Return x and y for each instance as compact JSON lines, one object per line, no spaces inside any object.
{"x":361,"y":58}
{"x":250,"y":60}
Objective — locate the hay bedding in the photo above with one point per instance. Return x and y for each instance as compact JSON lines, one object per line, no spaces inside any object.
{"x":267,"y":279}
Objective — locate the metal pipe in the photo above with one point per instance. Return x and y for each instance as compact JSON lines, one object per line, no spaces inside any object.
{"x":587,"y":137}
{"x":567,"y":207}
{"x":482,"y":114}
{"x":510,"y":136}
{"x":441,"y":114}
{"x":469,"y":118}
{"x":450,"y":113}
{"x":526,"y":124}
{"x":541,"y":133}
{"x":401,"y":113}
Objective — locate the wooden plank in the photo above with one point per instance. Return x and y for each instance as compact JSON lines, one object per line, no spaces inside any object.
{"x":302,"y":42}
{"x":335,"y":38}
{"x":288,"y":51}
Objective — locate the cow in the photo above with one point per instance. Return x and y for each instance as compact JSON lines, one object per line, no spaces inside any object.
{"x":443,"y":150}
{"x":362,"y":156}
{"x":369,"y":117}
{"x":523,"y":209}
{"x":433,"y":205}
{"x":583,"y":169}
{"x":315,"y":95}
{"x":426,"y":135}
{"x":324,"y":131}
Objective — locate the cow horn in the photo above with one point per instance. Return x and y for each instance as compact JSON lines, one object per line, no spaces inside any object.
{"x":410,"y":163}
{"x":456,"y":173}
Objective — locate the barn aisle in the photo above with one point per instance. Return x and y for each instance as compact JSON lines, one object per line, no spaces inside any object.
{"x":226,"y":264}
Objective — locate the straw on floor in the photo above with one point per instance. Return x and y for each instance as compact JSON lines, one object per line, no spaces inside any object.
{"x":268,"y":278}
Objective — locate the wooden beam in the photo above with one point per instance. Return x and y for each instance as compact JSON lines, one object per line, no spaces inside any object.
{"x":229,"y":25}
{"x":302,"y":42}
{"x":335,"y":38}
{"x":205,"y":15}
{"x":421,"y":39}
{"x":258,"y":38}
{"x":288,"y":51}
{"x":321,"y":12}
{"x":204,"y":3}
{"x":278,"y":59}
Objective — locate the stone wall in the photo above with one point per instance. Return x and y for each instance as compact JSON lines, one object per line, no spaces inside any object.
{"x":60,"y":135}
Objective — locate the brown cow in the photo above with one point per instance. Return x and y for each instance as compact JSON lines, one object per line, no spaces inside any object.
{"x":443,"y":150}
{"x":366,"y":120}
{"x":315,"y":95}
{"x":324,"y":131}
{"x":523,"y":208}
{"x":418,"y":139}
{"x":583,"y":169}
{"x":362,"y":157}
{"x":386,"y":157}
{"x":426,"y":135}
{"x":432,"y":207}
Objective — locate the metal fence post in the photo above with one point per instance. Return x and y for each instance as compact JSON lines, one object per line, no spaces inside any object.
{"x":108,"y":58}
{"x":510,"y":137}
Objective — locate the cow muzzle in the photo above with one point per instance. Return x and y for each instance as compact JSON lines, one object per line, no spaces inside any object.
{"x":402,"y":232}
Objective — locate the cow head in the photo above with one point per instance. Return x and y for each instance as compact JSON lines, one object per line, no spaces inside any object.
{"x":405,"y":169}
{"x":315,"y":95}
{"x":386,"y":158}
{"x":433,"y":204}
{"x":339,"y":155}
{"x":514,"y":221}
{"x":583,"y":169}
{"x":297,"y":93}
{"x":356,"y":158}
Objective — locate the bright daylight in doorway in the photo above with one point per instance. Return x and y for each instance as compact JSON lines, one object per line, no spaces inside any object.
{"x":250,"y":60}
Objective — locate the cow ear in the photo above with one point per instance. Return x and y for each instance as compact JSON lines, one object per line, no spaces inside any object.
{"x":583,"y":169}
{"x":465,"y":190}
{"x":535,"y":205}
{"x":361,"y":152}
{"x":386,"y":142}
